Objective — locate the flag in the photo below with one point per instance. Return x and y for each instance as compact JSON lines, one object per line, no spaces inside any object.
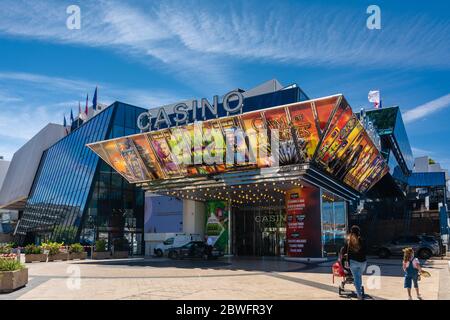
{"x":374,"y":96}
{"x":94,"y":100}
{"x":71,"y":116}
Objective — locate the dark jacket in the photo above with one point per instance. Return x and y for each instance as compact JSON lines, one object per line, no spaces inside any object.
{"x":359,"y":256}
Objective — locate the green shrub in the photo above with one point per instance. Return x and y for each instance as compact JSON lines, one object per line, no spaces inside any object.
{"x":76,"y":248}
{"x":10,"y":265}
{"x":33,"y":249}
{"x":5,"y":248}
{"x":52,"y":247}
{"x":100,"y":246}
{"x":121,"y":244}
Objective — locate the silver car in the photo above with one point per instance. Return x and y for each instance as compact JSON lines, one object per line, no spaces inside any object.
{"x":424,"y":246}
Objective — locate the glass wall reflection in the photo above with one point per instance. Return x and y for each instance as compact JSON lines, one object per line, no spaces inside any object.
{"x":334,"y":222}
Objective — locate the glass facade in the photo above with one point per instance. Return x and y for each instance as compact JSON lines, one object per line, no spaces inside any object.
{"x":390,"y":127}
{"x":76,"y":196}
{"x":334,"y":222}
{"x":259,"y":231}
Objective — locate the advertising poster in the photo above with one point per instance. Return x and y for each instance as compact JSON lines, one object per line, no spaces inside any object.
{"x":179,"y":148}
{"x":116,"y":160}
{"x":344,"y":150}
{"x":193,"y":168}
{"x":143,"y":148}
{"x":98,"y":149}
{"x":335,"y":137}
{"x":377,"y":170}
{"x":159,"y":142}
{"x":213,"y":147}
{"x":338,"y":161}
{"x":132,"y":160}
{"x":303,"y":236}
{"x":235,"y":134}
{"x":306,"y":135}
{"x":324,"y":109}
{"x":276,"y":119}
{"x":258,"y":138}
{"x":217,"y":213}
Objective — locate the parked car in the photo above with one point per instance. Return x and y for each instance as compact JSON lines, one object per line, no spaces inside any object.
{"x":174,"y":242}
{"x":424,"y":246}
{"x":195,"y":249}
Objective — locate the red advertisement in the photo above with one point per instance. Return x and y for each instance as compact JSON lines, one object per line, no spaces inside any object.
{"x":324,"y":109}
{"x":303,"y":236}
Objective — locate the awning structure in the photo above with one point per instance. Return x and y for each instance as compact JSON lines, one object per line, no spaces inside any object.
{"x":323,"y":136}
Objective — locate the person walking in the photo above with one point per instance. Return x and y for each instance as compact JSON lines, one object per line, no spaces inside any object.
{"x":355,"y":251}
{"x":412,"y":268}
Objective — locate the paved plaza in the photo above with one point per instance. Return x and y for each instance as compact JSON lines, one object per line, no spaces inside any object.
{"x":228,"y":278}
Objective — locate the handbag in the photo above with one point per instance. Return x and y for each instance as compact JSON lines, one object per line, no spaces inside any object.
{"x":337,"y":270}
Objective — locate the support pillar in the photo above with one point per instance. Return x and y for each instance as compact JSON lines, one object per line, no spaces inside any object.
{"x":194,"y":217}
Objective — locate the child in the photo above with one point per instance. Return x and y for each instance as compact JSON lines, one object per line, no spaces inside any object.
{"x":412,"y":269}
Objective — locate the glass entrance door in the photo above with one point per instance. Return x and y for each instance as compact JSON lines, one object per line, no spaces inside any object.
{"x":259,"y":231}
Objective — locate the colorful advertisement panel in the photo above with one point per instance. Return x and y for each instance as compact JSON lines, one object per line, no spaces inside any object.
{"x":217,"y":214}
{"x":303,"y":222}
{"x":159,"y":141}
{"x":135,"y":166}
{"x":258,"y":138}
{"x":306,"y":135}
{"x":277,"y":119}
{"x":144,"y":151}
{"x":324,"y":108}
{"x":331,"y":136}
{"x":116,"y":160}
{"x":335,"y":138}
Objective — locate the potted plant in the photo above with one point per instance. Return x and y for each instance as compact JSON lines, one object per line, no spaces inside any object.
{"x":121,"y":248}
{"x":76,"y":251}
{"x":55,"y":251}
{"x":34,"y":253}
{"x":100,"y":251}
{"x":5,"y":248}
{"x":13,"y":275}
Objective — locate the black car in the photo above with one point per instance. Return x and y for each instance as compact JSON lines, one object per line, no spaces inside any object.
{"x":195,"y":249}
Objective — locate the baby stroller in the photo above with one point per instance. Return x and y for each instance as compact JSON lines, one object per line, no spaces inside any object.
{"x":340,"y":269}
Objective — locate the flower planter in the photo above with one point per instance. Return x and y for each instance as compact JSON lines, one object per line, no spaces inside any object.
{"x":101,"y":255}
{"x":59,"y":256}
{"x":35,"y":257}
{"x":12,"y":280}
{"x":120,"y":255}
{"x":77,"y":256}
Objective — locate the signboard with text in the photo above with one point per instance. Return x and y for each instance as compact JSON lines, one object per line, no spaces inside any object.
{"x":303,"y":236}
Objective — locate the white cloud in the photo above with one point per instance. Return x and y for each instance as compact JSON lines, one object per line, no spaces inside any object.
{"x":40,"y":99}
{"x":426,"y":109}
{"x":419,"y":152}
{"x":201,"y":43}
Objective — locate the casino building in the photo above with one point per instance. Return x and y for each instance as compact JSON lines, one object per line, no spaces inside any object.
{"x":288,"y":173}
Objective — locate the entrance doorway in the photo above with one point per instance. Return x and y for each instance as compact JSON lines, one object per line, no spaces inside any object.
{"x":259,"y":231}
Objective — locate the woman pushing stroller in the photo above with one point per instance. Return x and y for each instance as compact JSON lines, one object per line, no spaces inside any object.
{"x":354,"y":252}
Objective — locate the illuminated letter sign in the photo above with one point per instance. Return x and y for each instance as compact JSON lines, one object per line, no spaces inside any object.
{"x":181,"y":111}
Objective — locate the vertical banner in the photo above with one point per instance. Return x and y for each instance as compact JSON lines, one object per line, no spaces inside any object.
{"x":303,"y":231}
{"x":217,"y":214}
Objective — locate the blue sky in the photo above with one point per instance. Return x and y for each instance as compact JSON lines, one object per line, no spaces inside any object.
{"x":150,"y":53}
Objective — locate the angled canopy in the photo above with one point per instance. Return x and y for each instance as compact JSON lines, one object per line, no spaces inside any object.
{"x":322,"y":132}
